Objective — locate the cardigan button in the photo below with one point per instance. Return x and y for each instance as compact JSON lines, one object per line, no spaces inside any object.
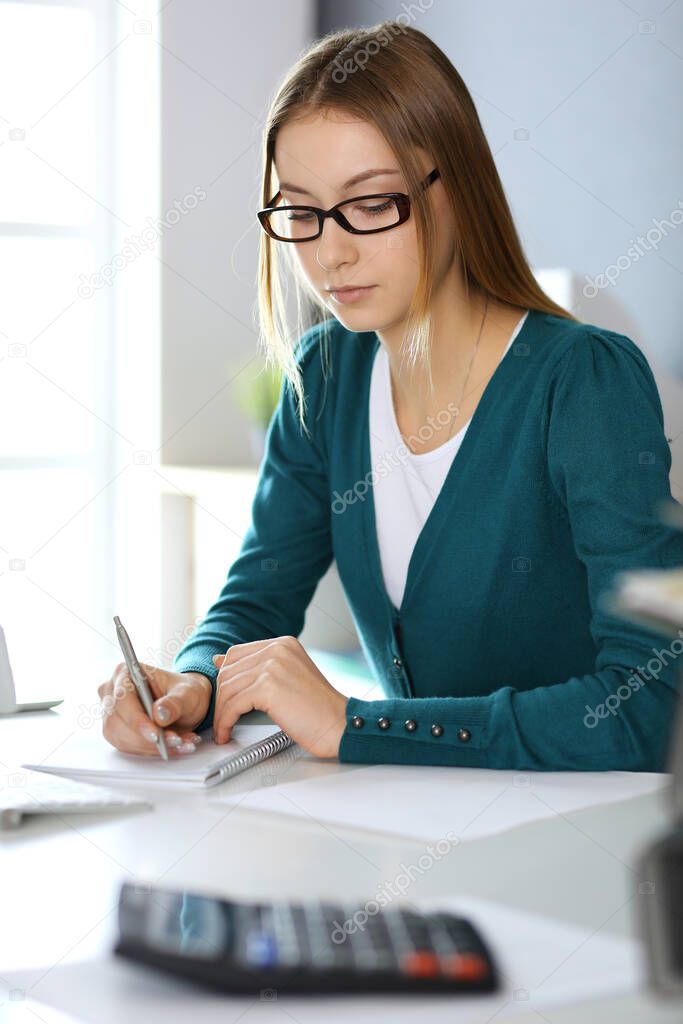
{"x":383,"y":722}
{"x":397,"y":662}
{"x":436,"y":730}
{"x":464,"y":735}
{"x":410,"y":725}
{"x":357,"y":722}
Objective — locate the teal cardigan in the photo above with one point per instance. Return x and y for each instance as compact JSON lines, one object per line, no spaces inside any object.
{"x":503,"y":653}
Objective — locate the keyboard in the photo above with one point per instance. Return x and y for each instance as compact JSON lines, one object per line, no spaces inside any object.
{"x":316,"y":946}
{"x":25,"y":792}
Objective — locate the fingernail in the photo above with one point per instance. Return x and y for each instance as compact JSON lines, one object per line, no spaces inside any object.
{"x":196,"y":739}
{"x":149,"y":734}
{"x":187,"y":748}
{"x":174,"y":741}
{"x":163,"y":714}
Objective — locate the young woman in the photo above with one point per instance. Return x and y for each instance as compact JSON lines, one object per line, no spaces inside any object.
{"x":479,"y":462}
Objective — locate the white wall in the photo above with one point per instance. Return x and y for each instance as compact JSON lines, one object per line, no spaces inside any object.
{"x":221,"y":64}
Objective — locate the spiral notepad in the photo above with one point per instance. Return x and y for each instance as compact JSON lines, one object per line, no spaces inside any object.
{"x":251,"y":755}
{"x":87,"y":753}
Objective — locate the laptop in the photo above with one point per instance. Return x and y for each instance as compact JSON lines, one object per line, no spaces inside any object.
{"x":8,"y":700}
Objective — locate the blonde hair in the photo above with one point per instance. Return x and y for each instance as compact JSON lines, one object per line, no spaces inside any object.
{"x":396,"y":78}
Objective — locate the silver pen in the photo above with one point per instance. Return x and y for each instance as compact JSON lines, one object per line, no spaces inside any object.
{"x":136,"y":674}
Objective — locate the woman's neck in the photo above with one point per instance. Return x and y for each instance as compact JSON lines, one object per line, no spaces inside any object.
{"x":456,"y":323}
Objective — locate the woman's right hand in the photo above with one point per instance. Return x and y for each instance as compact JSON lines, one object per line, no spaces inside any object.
{"x":180,"y":700}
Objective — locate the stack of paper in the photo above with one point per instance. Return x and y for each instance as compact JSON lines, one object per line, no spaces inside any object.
{"x":652,"y":597}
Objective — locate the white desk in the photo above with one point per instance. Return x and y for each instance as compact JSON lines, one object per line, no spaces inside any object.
{"x":60,"y":879}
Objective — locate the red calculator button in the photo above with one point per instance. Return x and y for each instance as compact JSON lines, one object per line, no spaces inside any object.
{"x":466,"y":966}
{"x":421,"y":964}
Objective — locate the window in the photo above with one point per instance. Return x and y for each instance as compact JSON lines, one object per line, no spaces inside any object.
{"x":79,"y":342}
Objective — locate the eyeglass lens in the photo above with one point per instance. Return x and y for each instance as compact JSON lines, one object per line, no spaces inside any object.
{"x":366,"y":215}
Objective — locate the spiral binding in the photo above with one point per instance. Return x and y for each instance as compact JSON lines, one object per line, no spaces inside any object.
{"x":251,"y":755}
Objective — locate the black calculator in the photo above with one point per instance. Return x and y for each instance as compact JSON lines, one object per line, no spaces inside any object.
{"x":311,"y":947}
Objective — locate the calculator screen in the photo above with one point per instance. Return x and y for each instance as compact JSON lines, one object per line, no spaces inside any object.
{"x":187,"y":924}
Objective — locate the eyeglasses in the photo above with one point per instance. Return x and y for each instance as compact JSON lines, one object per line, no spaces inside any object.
{"x":363,"y":215}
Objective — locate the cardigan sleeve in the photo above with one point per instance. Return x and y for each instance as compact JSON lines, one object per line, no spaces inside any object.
{"x":287,"y":547}
{"x":608,"y":461}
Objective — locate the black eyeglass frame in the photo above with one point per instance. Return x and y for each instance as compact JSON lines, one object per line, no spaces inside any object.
{"x":402,"y":202}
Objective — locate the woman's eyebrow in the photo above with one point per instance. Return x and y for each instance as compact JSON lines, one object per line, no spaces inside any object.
{"x":357,"y":178}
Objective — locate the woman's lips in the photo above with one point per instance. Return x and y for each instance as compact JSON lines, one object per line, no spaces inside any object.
{"x":351,"y":294}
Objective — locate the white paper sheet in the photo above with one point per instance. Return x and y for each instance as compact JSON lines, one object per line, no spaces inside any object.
{"x":425,"y":802}
{"x":544,"y":964}
{"x":87,"y":754}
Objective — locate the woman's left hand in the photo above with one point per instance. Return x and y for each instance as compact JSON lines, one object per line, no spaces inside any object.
{"x":278,"y":677}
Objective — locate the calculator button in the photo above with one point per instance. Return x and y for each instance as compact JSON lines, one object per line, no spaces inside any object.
{"x":418,"y":931}
{"x":379,"y":933}
{"x":333,"y":924}
{"x":280,"y":924}
{"x":319,"y":922}
{"x":466,"y":967}
{"x":300,"y":927}
{"x":421,"y":964}
{"x":458,"y":931}
{"x":342,"y":955}
{"x":260,"y":949}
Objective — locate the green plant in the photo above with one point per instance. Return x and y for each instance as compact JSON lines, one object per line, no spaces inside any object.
{"x":258,"y":395}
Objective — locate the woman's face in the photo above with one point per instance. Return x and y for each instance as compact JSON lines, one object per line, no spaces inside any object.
{"x":318,"y":155}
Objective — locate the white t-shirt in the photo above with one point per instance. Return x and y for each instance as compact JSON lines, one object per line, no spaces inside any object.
{"x":407,"y":485}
